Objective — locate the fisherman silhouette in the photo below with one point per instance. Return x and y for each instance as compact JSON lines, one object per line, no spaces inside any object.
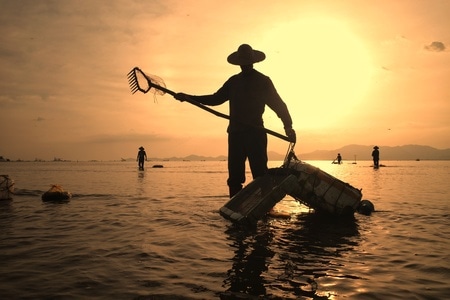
{"x":141,"y":157}
{"x":376,"y":157}
{"x":248,"y":92}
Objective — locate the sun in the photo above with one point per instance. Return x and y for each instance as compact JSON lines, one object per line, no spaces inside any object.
{"x":320,"y":68}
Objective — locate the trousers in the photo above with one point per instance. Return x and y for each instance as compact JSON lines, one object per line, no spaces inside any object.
{"x":243,"y":145}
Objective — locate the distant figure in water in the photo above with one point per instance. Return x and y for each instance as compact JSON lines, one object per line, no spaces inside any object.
{"x":248,"y":93}
{"x":339,"y":158}
{"x":376,"y":157}
{"x":141,"y":157}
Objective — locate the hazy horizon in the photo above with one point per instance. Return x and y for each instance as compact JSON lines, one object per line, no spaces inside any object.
{"x":273,"y":155}
{"x":350,"y":72}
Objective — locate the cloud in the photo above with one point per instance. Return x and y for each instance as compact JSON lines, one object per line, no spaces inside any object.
{"x":435,"y":47}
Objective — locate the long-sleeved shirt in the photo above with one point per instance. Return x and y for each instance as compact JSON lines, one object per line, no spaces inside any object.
{"x":141,"y":155}
{"x":248,"y":93}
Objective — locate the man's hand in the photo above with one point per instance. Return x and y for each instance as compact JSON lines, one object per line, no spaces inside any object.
{"x":291,"y":134}
{"x":182,"y":97}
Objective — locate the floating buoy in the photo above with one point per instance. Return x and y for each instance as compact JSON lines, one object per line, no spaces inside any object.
{"x":366,"y":207}
{"x":279,"y":214}
{"x":56,"y":194}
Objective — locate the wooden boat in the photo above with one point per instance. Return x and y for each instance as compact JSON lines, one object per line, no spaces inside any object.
{"x":6,"y":187}
{"x":323,"y":192}
{"x":56,"y":194}
{"x":307,"y":184}
{"x":257,"y":198}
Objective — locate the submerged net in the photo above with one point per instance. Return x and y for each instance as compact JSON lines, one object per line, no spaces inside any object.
{"x":6,"y":187}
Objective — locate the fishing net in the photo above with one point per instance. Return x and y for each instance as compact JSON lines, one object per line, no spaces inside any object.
{"x":140,"y":81}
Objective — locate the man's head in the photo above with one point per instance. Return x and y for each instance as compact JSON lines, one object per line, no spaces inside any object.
{"x":245,"y":55}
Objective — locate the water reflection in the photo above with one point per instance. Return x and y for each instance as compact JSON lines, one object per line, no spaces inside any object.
{"x":140,"y":188}
{"x":252,"y":255}
{"x":289,"y":259}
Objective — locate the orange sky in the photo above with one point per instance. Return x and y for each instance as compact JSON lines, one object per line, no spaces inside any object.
{"x":351,"y":72}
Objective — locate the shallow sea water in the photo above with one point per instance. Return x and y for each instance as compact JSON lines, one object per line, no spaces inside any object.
{"x":157,"y":234}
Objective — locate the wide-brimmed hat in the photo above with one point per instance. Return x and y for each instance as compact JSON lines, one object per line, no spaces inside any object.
{"x":245,"y":55}
{"x":376,"y":147}
{"x":141,"y":148}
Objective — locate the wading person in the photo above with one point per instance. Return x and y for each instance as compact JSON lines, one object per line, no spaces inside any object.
{"x":141,"y":157}
{"x":376,"y":157}
{"x":248,"y":92}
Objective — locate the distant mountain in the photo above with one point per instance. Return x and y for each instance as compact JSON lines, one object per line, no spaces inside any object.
{"x":275,"y":156}
{"x":360,"y":152}
{"x":191,"y":157}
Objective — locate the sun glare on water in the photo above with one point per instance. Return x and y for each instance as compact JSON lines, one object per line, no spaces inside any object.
{"x":320,"y":68}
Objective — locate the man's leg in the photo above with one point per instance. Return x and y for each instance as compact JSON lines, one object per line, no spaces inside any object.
{"x":256,"y":146}
{"x":236,"y":163}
